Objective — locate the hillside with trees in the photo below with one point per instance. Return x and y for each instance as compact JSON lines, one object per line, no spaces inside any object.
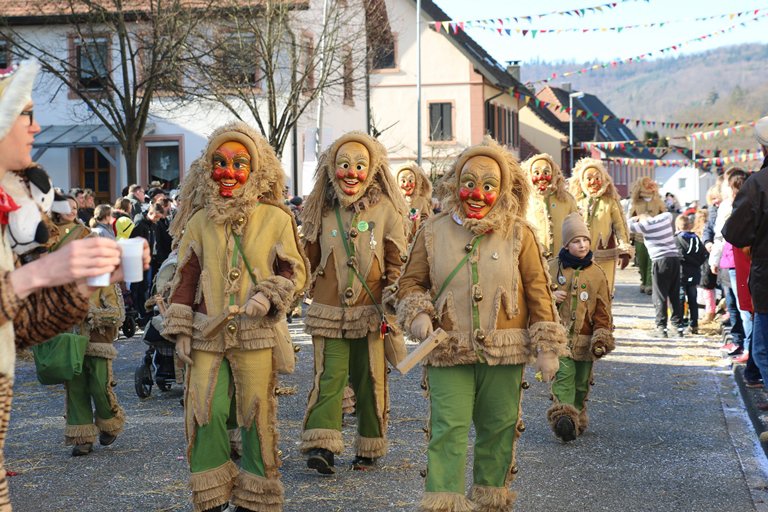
{"x":728,"y":83}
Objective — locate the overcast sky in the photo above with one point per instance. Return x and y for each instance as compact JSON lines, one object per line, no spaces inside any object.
{"x":608,"y":46}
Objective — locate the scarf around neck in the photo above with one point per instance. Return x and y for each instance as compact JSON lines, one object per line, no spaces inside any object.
{"x":568,"y":260}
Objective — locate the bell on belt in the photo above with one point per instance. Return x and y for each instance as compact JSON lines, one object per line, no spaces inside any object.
{"x":234,"y":274}
{"x":231,"y":327}
{"x":521,"y":427}
{"x":514,"y":470}
{"x":478,"y":295}
{"x":353,"y":233}
{"x":348,"y":293}
{"x":525,"y":384}
{"x":351,"y":262}
{"x":480,"y":335}
{"x":468,"y":247}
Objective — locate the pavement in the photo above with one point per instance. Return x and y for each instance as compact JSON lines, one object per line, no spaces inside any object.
{"x":669,"y":431}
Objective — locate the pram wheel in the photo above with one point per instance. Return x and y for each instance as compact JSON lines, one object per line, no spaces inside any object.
{"x":163,"y":385}
{"x":142,"y":380}
{"x":129,"y":327}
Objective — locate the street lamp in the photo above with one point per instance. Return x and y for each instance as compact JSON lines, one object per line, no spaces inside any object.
{"x":572,"y":95}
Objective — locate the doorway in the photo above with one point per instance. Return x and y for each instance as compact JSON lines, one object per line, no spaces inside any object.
{"x":95,"y":173}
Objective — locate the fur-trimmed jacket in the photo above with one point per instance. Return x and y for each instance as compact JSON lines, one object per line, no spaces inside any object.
{"x":341,"y":307}
{"x":212,"y":274}
{"x":546,"y":213}
{"x":586,"y":311}
{"x":498,"y":307}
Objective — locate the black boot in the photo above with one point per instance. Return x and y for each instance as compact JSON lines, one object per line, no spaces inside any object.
{"x":321,"y":460}
{"x":218,"y":508}
{"x":106,"y":439}
{"x":363,"y":463}
{"x":565,"y":429}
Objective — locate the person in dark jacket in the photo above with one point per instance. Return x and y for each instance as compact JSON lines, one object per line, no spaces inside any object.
{"x":748,"y":227}
{"x":144,"y":226}
{"x":692,"y":255}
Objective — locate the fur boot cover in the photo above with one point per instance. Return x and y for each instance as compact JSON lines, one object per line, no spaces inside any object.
{"x":325,"y":438}
{"x":583,"y":423}
{"x":445,"y":502}
{"x":512,"y":203}
{"x":257,"y":493}
{"x":555,"y":412}
{"x":213,"y":487}
{"x":326,"y":193}
{"x":493,"y":499}
{"x":80,"y":434}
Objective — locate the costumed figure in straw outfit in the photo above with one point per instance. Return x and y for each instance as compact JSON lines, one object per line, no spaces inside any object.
{"x":646,"y":200}
{"x":239,"y":270}
{"x":92,"y":408}
{"x":417,"y":191}
{"x":584,"y":304}
{"x":598,"y":202}
{"x":550,"y":202}
{"x":476,"y":271}
{"x":355,"y":238}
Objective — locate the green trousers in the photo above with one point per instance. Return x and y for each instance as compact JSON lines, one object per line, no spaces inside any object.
{"x":571,"y":385}
{"x":345,"y":360}
{"x":211,"y":448}
{"x":486,"y":396}
{"x":643,"y":263}
{"x":90,"y":394}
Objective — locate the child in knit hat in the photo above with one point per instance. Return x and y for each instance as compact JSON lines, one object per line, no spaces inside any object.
{"x":583,"y":300}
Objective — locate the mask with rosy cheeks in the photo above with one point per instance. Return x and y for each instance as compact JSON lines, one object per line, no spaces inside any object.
{"x":352,"y":162}
{"x":479,"y":186}
{"x":407,"y":181}
{"x":231,"y":167}
{"x":541,"y":175}
{"x":593,"y":180}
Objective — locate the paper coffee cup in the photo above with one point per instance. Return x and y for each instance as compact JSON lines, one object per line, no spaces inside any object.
{"x":131,"y":259}
{"x":99,"y":281}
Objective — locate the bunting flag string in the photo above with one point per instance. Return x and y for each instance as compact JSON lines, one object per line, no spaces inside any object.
{"x":662,"y":150}
{"x":719,"y":161}
{"x":502,"y":25}
{"x":643,"y":56}
{"x":455,"y":26}
{"x":527,"y":98}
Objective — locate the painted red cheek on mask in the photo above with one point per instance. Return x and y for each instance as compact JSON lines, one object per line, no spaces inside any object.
{"x":464,"y":193}
{"x":341,"y":173}
{"x":490,"y":198}
{"x":241,"y":176}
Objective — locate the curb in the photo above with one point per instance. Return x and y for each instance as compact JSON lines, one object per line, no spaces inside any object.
{"x":751,"y":397}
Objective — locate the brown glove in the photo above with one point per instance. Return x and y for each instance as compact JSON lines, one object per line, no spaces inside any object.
{"x":547,"y":363}
{"x":624,"y":261}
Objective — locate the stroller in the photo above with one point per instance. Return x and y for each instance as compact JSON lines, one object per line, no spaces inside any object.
{"x":131,"y":315}
{"x":159,"y":365}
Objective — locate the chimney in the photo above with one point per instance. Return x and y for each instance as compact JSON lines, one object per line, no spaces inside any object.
{"x":566,"y":86}
{"x":513,"y":69}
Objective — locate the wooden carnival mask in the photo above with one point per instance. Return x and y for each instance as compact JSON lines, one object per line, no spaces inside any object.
{"x":648,"y":189}
{"x":231,"y":167}
{"x":406,"y":179}
{"x":352,"y":167}
{"x":479,"y":186}
{"x":592,"y":181}
{"x":541,"y":175}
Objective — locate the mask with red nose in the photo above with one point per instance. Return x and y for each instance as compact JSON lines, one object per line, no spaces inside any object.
{"x":479,"y":186}
{"x":541,"y":175}
{"x":231,"y":167}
